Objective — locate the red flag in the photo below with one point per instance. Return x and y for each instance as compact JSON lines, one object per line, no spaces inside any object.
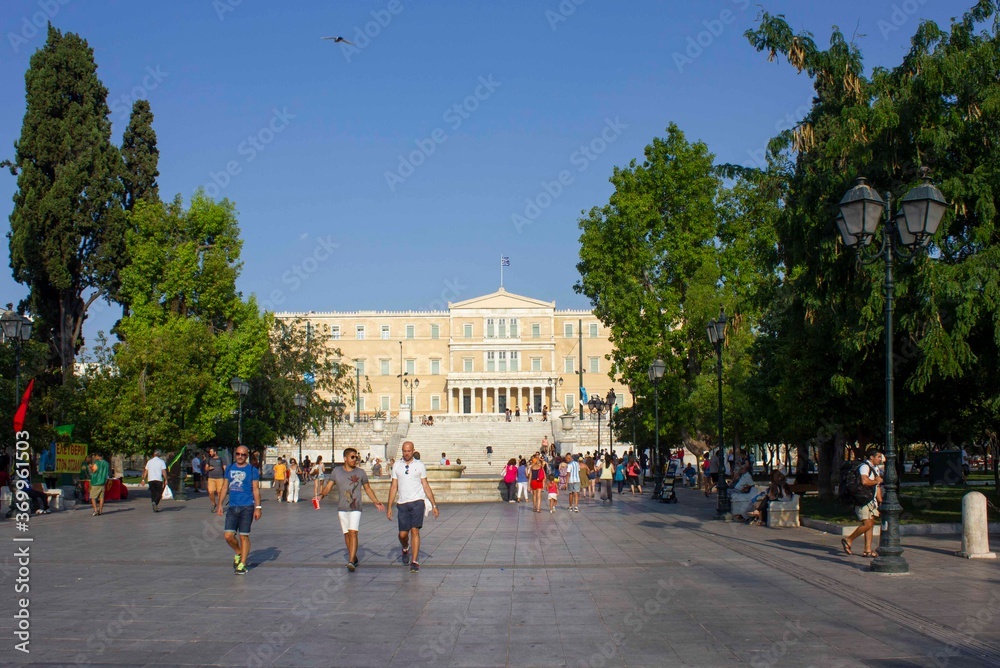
{"x":22,"y":410}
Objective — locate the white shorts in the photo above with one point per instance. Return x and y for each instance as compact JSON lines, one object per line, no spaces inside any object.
{"x":350,"y":520}
{"x":553,"y":496}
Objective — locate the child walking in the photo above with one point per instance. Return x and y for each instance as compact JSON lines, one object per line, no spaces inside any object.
{"x":553,"y":489}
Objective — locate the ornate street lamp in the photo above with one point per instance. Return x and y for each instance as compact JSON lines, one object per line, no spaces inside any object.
{"x":717,"y":335}
{"x":611,"y":399}
{"x":904,"y":235}
{"x":411,"y":384}
{"x":336,"y":412}
{"x":242,"y":388}
{"x":598,"y":405}
{"x":301,"y":401}
{"x":17,"y":330}
{"x":556,"y":383}
{"x":655,"y":375}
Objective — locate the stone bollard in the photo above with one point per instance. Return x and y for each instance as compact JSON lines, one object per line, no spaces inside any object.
{"x":975,"y":530}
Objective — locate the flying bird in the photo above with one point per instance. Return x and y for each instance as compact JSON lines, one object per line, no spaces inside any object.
{"x":340,"y":39}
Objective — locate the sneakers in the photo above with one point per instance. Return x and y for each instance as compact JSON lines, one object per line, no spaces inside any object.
{"x":236,"y":562}
{"x":241,"y":569}
{"x":414,"y":567}
{"x":406,"y":555}
{"x":351,"y":565}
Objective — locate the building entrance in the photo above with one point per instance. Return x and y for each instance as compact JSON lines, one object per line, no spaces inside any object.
{"x":501,"y":403}
{"x":466,"y":404}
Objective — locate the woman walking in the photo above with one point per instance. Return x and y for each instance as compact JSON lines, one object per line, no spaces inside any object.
{"x":522,"y":480}
{"x":607,"y":474}
{"x":294,"y":480}
{"x":632,"y":470}
{"x":318,"y":475}
{"x":536,"y":474}
{"x":510,"y":478}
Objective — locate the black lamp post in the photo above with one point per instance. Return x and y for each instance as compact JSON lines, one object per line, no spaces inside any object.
{"x":598,"y":405}
{"x":861,"y":211}
{"x":655,"y":375}
{"x":611,"y":399}
{"x":17,"y":330}
{"x":556,"y":383}
{"x":301,"y":401}
{"x":336,"y":411}
{"x":411,"y":384}
{"x":717,"y":335}
{"x":242,"y":388}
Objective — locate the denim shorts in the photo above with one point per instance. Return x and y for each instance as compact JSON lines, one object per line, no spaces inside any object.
{"x":239,"y":519}
{"x":410,"y":515}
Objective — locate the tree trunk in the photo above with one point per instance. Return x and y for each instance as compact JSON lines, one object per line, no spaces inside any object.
{"x":831,"y":453}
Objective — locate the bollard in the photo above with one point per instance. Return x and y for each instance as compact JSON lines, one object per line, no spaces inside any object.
{"x":975,"y":530}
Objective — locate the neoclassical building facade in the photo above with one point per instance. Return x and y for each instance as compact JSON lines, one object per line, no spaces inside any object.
{"x":481,"y":356}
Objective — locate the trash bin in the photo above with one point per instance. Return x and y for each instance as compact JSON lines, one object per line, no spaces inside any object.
{"x":946,"y":467}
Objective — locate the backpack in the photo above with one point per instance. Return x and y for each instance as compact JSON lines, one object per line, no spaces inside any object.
{"x":851,"y":490}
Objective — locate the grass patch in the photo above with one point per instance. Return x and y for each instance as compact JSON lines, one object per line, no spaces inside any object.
{"x":921,"y":505}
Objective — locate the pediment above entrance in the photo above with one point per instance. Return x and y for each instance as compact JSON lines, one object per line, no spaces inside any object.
{"x":501,"y":299}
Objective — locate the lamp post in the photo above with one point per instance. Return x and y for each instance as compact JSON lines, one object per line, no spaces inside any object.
{"x":597,"y":405}
{"x":17,"y":330}
{"x":611,"y":399}
{"x":242,"y":388}
{"x":655,"y":374}
{"x":401,"y":374}
{"x":861,"y":210}
{"x":556,"y":383}
{"x":717,"y":335}
{"x":631,"y":390}
{"x":336,"y":411}
{"x":411,"y":384}
{"x":301,"y":401}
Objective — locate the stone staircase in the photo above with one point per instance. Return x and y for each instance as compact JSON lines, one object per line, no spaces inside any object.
{"x":468,"y":440}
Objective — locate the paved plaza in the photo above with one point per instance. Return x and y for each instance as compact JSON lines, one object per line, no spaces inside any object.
{"x":634,"y":584}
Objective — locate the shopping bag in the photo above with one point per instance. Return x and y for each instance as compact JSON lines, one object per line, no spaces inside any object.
{"x":167,"y":494}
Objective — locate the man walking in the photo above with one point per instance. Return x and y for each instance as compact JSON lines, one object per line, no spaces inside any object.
{"x":196,"y":471}
{"x":98,"y":479}
{"x":866,"y":504}
{"x":573,"y":482}
{"x":350,"y":479}
{"x":156,"y":474}
{"x":215,"y":472}
{"x":242,"y":482}
{"x":280,"y":476}
{"x":409,"y":478}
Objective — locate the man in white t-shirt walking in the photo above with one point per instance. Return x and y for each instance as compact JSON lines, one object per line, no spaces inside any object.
{"x":573,"y":483}
{"x":409,"y":479}
{"x":156,"y":474}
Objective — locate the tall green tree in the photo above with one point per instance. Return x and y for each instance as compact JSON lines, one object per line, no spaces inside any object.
{"x":66,"y":237}
{"x":140,"y":157}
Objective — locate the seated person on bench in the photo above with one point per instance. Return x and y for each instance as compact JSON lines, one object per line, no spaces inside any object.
{"x":777,"y":491}
{"x":38,"y":501}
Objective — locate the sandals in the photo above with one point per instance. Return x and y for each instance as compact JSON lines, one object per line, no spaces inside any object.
{"x":869,"y":554}
{"x":847,"y":546}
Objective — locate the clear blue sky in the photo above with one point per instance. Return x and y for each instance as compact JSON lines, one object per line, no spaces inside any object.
{"x":310,"y":130}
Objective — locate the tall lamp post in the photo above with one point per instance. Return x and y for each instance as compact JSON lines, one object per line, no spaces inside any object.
{"x":655,"y":375}
{"x":336,"y":412}
{"x":17,"y":330}
{"x":611,"y":399}
{"x":904,"y":235}
{"x":556,"y":383}
{"x":411,"y":384}
{"x":717,"y":335}
{"x":301,"y":401}
{"x":598,"y":405}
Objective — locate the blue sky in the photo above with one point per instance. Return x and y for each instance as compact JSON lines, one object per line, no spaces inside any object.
{"x":394,"y":174}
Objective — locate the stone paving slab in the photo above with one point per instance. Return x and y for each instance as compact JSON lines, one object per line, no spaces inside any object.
{"x":636,"y":583}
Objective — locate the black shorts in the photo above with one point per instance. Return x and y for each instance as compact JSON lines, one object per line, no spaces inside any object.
{"x":410,"y":515}
{"x":714,"y":476}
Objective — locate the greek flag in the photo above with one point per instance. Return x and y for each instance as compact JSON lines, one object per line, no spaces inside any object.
{"x":504,"y":261}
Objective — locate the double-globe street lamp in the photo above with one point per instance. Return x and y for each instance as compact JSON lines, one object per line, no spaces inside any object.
{"x":599,"y":406}
{"x":905,"y":234}
{"x":17,"y":330}
{"x":301,"y":401}
{"x":655,"y":375}
{"x":242,"y":389}
{"x":556,"y":383}
{"x":717,"y":335}
{"x":411,"y":384}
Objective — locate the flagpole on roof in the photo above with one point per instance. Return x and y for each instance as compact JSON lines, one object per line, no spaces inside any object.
{"x":501,"y":272}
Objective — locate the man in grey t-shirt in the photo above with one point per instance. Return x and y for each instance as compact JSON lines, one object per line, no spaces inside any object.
{"x":215,"y":471}
{"x":350,"y":479}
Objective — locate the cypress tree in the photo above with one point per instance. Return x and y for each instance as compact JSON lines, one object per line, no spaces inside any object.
{"x":141,"y":157}
{"x":66,"y":229}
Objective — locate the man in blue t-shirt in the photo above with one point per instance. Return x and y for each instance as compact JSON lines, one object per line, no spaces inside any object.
{"x":242,"y":482}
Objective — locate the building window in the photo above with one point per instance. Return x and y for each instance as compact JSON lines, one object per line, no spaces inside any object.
{"x":536,"y":330}
{"x":335,"y":331}
{"x":384,"y":368}
{"x":503,"y":360}
{"x":536,"y":363}
{"x":490,"y":328}
{"x":593,"y":330}
{"x":360,"y":366}
{"x":435,"y":331}
{"x":435,"y":402}
{"x":490,"y":361}
{"x":514,"y":365}
{"x":361,"y":403}
{"x":385,"y":332}
{"x":467,"y":330}
{"x":513,"y":328}
{"x":568,"y":366}
{"x":435,"y":367}
{"x":386,"y":402}
{"x":502,"y":332}
{"x":595,"y":364}
{"x":409,"y":331}
{"x":411,"y":366}
{"x":360,"y":335}
{"x":467,"y":364}
{"x":569,"y":401}
{"x":568,"y":330}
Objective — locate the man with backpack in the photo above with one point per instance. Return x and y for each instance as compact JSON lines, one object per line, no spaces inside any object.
{"x":860,"y":487}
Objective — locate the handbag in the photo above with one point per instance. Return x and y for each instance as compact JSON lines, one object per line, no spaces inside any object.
{"x":167,"y":493}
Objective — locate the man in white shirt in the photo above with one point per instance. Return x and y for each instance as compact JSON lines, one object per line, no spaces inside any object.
{"x":870,"y":474}
{"x":573,"y":482}
{"x":409,"y":479}
{"x":156,"y":474}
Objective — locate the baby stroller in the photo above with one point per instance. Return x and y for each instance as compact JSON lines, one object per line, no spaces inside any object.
{"x":667,"y":494}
